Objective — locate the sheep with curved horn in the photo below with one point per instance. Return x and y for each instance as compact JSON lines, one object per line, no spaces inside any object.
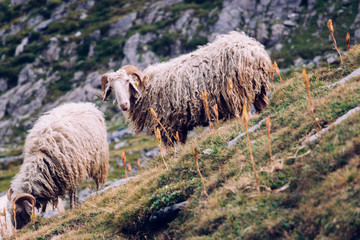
{"x":65,"y":147}
{"x":233,"y":70}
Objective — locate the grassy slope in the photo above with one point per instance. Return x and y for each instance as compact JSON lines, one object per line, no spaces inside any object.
{"x":322,"y":199}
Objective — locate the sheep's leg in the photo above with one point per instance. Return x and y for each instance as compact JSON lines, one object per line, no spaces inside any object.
{"x":72,"y":198}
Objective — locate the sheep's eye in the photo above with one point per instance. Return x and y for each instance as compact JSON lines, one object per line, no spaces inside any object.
{"x":127,"y":80}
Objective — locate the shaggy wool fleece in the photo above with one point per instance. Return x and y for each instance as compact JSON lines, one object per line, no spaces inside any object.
{"x":65,"y":147}
{"x":174,"y":89}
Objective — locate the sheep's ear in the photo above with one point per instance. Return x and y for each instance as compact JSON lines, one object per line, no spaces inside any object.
{"x":134,"y":88}
{"x":9,"y":193}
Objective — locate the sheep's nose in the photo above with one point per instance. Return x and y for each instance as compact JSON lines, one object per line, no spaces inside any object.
{"x":124,"y":106}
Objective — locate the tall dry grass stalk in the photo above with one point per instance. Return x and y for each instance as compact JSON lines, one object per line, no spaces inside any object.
{"x":129,"y":169}
{"x":158,"y":121}
{"x":331,"y":28}
{"x":268,"y":126}
{"x":33,"y":216}
{"x":306,"y":82}
{"x":123,"y":157}
{"x":15,"y":223}
{"x":138,"y":164}
{"x":204,"y":97}
{"x":89,"y":186}
{"x":245,"y":119}
{"x":216,"y":114}
{"x":277,"y":70}
{"x":196,"y":155}
{"x":347,"y":38}
{"x":158,"y":138}
{"x":4,"y":212}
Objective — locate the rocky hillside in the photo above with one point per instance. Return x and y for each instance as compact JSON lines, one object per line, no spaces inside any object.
{"x":54,"y":51}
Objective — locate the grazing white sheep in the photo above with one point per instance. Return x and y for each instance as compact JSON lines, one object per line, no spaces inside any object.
{"x":233,"y":70}
{"x":65,"y":147}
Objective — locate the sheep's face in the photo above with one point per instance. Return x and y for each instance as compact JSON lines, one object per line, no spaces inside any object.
{"x":123,"y":86}
{"x":23,"y":207}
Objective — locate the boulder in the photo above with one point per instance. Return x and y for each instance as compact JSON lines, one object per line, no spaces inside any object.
{"x":120,"y":27}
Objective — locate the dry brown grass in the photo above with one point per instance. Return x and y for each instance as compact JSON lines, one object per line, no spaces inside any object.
{"x":33,"y":216}
{"x":206,"y":106}
{"x":306,"y":82}
{"x":138,"y":164}
{"x":15,"y":223}
{"x":123,"y":157}
{"x":129,"y":169}
{"x":216,"y":114}
{"x":196,"y":155}
{"x":158,"y":139}
{"x":331,"y":28}
{"x":158,"y":121}
{"x":245,"y":119}
{"x":277,"y":70}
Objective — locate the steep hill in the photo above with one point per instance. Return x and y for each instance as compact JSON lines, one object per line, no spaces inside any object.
{"x":311,"y":191}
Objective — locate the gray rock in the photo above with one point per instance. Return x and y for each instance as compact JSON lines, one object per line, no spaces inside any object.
{"x":52,"y":53}
{"x":120,"y":27}
{"x":208,"y":151}
{"x":276,"y":33}
{"x":14,"y":3}
{"x":3,"y":84}
{"x":155,"y":13}
{"x":131,"y":51}
{"x":262,"y":32}
{"x":11,"y":159}
{"x":84,"y":194}
{"x":317,"y":59}
{"x":116,"y":136}
{"x":92,"y":50}
{"x":43,"y":25}
{"x":70,"y":49}
{"x":331,"y":58}
{"x":34,"y":21}
{"x":121,"y":145}
{"x":26,"y":75}
{"x":229,"y":17}
{"x":115,"y":183}
{"x":85,"y":6}
{"x":289,"y":23}
{"x":59,"y":12}
{"x":299,"y":62}
{"x":151,"y":153}
{"x":93,"y":79}
{"x":167,"y":214}
{"x":50,"y":214}
{"x":95,"y":35}
{"x":27,"y":99}
{"x":77,"y":76}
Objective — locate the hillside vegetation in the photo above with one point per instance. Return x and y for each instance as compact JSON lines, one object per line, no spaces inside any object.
{"x":311,"y":192}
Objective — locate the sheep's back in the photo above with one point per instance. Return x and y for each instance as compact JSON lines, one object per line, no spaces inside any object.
{"x":174,"y":88}
{"x":69,"y":143}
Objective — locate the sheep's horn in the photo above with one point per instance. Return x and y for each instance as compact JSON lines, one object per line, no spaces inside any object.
{"x":104,"y":81}
{"x":131,"y":69}
{"x":24,"y":196}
